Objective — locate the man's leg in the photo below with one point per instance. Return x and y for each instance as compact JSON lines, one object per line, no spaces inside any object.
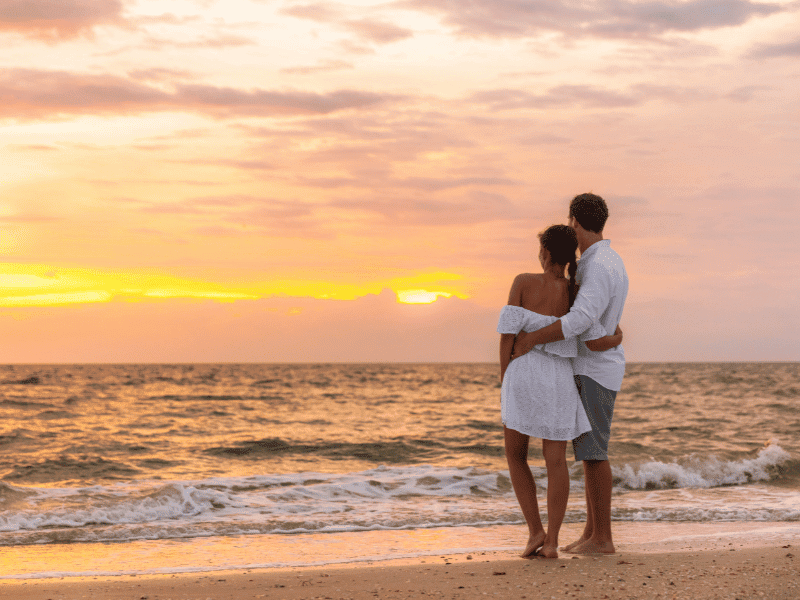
{"x":592,"y":449}
{"x":589,"y":527}
{"x":598,"y":486}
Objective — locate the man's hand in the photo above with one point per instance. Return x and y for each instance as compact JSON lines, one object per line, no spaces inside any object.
{"x":525,"y":341}
{"x":522,"y":344}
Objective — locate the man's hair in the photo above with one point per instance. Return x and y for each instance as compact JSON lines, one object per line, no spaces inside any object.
{"x":590,"y":211}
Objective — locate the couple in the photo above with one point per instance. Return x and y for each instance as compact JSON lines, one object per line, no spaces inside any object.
{"x":561,"y":366}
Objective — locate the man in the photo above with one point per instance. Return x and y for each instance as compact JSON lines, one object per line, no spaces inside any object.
{"x":598,"y":375}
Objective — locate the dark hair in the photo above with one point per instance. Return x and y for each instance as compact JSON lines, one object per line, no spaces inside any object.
{"x":590,"y":211}
{"x":561,"y":242}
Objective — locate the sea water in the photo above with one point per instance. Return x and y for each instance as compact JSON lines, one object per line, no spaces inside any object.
{"x":194,"y":467}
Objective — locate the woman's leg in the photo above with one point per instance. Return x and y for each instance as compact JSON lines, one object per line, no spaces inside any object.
{"x":524,"y":487}
{"x":555,"y":457}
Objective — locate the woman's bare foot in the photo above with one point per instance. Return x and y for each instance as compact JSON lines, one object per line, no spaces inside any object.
{"x":535,"y":541}
{"x":548,"y":551}
{"x":594,"y":547}
{"x":575,"y":544}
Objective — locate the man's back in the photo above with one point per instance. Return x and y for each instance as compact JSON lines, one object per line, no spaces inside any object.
{"x":601,"y":298}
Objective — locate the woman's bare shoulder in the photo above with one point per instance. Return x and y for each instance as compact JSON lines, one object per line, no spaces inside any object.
{"x":529,"y":278}
{"x":525,"y":285}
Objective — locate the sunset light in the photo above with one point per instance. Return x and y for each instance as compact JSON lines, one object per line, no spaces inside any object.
{"x":420,"y":296}
{"x":280,"y":319}
{"x":168,"y":162}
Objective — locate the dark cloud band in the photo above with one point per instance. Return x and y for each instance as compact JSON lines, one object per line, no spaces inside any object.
{"x":35,"y":94}
{"x":57,"y":18}
{"x":602,"y":18}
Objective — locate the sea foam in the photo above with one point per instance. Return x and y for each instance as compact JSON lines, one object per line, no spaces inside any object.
{"x":703,"y":471}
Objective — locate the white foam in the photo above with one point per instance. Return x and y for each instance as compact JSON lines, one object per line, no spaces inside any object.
{"x":385,"y":498}
{"x":703,"y":472}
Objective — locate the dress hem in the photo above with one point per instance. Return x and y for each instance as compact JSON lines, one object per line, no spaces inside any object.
{"x":536,"y":434}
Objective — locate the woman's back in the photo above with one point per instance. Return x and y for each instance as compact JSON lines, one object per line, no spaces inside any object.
{"x":542,"y":293}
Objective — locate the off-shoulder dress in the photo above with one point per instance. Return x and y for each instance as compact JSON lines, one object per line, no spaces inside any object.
{"x":539,"y":397}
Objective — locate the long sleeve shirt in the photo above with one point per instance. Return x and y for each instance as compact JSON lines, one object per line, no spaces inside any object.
{"x":603,"y":288}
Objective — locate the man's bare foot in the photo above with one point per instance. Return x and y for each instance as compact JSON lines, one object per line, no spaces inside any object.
{"x":535,"y":541}
{"x":575,"y":544}
{"x":594,"y":547}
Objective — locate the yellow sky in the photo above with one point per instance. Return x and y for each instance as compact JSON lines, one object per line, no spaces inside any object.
{"x":237,"y":159}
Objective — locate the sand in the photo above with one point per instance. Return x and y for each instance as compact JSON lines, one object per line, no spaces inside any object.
{"x":728,"y":566}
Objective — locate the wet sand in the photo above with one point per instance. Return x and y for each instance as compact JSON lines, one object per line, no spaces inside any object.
{"x":728,"y":564}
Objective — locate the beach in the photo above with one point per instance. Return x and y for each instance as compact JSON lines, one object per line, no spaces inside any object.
{"x":381,"y":481}
{"x":713,"y":561}
{"x":679,"y":560}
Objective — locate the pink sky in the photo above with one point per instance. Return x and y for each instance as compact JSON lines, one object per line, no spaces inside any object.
{"x":269,"y":180}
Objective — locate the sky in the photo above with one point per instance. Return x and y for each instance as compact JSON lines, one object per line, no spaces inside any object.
{"x":360,"y":181}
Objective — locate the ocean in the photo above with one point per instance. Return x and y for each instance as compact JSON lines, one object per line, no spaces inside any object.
{"x":120,"y":469}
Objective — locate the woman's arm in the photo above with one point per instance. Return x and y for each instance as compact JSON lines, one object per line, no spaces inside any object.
{"x":605,"y":343}
{"x":506,"y":348}
{"x":507,"y":339}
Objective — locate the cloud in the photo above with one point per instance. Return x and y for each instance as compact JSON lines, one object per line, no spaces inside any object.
{"x":320,"y":12}
{"x":58,"y":19}
{"x":433,"y":184}
{"x":216,"y":42}
{"x":160,"y":74}
{"x":746,"y":93}
{"x":789,"y":49}
{"x":32,"y":93}
{"x":242,"y":214}
{"x":33,"y":147}
{"x":424,"y":184}
{"x":35,"y":94}
{"x":477,"y":207}
{"x":230,"y":101}
{"x":321,"y":67}
{"x":245,"y":164}
{"x":371,"y":30}
{"x":564,"y":95}
{"x":28,"y":218}
{"x":603,"y":18}
{"x":543,"y":139}
{"x":377,"y":31}
{"x":585,"y":96}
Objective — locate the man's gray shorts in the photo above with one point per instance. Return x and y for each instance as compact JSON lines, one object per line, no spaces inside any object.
{"x":598,"y":402}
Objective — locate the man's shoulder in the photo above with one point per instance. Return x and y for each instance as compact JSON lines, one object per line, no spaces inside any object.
{"x":606,"y":257}
{"x":605,"y":265}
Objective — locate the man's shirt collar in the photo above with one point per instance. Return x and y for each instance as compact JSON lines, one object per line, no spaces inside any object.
{"x":594,"y":248}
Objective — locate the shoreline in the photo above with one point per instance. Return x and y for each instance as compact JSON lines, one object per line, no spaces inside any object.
{"x":742,"y":574}
{"x":653,"y":560}
{"x":168,"y":557}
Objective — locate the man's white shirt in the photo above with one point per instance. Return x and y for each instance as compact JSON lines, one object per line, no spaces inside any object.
{"x":603,"y":288}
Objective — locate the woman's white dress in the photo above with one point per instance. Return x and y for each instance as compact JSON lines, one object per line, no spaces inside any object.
{"x":539,"y":397}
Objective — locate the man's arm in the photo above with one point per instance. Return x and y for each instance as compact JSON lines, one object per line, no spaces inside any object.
{"x":593,"y":298}
{"x":526,"y":340}
{"x":605,"y":343}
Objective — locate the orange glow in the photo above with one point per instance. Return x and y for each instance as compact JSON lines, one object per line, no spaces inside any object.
{"x":419,"y":296}
{"x":165,"y":158}
{"x":45,"y":285}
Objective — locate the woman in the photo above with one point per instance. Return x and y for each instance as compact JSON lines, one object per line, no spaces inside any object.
{"x":539,"y":397}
